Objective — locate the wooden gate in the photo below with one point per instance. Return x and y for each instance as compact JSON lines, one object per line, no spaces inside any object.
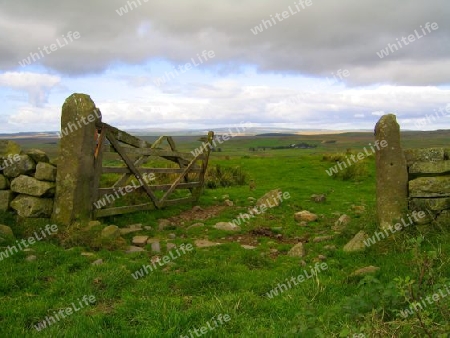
{"x":188,"y":174}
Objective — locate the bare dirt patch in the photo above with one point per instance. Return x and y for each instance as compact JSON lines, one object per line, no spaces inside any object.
{"x":197,"y":214}
{"x":251,"y":238}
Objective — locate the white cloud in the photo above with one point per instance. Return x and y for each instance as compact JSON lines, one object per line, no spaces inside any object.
{"x":30,"y":118}
{"x":378,"y":113}
{"x":38,"y":86}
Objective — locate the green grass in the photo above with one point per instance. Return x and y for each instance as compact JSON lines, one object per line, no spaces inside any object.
{"x":227,"y":279}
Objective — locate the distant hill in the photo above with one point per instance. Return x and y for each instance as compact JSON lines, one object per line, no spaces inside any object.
{"x":23,"y":135}
{"x":258,"y":131}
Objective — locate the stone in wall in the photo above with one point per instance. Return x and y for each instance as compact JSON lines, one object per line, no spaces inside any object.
{"x":424,"y":155}
{"x":38,"y":155}
{"x":33,"y":187}
{"x":6,"y":234}
{"x":391,"y":173}
{"x":4,"y":182}
{"x":438,"y":186}
{"x":24,"y":166}
{"x":45,"y":172}
{"x":438,"y":167}
{"x":32,"y":207}
{"x":8,"y":148}
{"x":6,"y":197}
{"x":434,"y":204}
{"x":431,"y":207}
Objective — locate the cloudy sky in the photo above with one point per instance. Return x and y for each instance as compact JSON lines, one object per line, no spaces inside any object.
{"x":202,"y":64}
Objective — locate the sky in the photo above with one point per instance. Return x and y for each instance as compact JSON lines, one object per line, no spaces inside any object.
{"x":302,"y":64}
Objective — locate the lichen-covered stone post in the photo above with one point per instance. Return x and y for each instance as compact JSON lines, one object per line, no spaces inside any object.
{"x":391,"y":173}
{"x":75,"y":176}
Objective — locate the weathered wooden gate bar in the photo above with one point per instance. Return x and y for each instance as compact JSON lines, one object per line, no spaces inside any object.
{"x":163,"y":153}
{"x":124,"y":137}
{"x":161,"y":187}
{"x":178,"y":180}
{"x":122,"y":170}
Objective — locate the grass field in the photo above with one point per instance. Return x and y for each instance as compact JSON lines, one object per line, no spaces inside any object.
{"x":228,"y":281}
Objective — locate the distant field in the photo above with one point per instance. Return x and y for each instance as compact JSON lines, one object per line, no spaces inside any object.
{"x":240,"y":145}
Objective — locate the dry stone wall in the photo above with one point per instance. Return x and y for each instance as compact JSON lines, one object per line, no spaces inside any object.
{"x":27,"y":181}
{"x":429,"y":183}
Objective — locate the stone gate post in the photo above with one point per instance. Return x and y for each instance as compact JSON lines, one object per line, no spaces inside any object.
{"x":391,"y":173}
{"x":75,"y":176}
